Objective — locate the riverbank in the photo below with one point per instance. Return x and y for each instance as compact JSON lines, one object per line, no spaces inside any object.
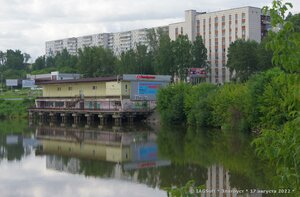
{"x":14,"y":109}
{"x":14,"y":103}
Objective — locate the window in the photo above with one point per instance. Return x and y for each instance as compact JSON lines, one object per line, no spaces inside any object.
{"x":69,"y":88}
{"x":94,"y":87}
{"x":230,"y":17}
{"x":59,"y":89}
{"x":181,"y":30}
{"x":243,"y":15}
{"x":216,"y":19}
{"x":126,"y":86}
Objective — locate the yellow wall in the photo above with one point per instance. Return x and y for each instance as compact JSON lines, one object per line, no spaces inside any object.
{"x":72,"y":90}
{"x":92,"y":151}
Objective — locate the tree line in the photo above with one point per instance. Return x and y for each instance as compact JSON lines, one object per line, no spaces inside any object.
{"x":161,"y":56}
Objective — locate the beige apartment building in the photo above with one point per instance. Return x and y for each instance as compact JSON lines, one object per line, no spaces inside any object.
{"x":218,"y":30}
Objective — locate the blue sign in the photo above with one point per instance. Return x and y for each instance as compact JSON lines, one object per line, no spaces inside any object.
{"x":146,"y":88}
{"x":148,"y":153}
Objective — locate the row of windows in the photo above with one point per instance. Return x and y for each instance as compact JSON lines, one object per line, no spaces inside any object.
{"x":71,"y":88}
{"x":223,"y":18}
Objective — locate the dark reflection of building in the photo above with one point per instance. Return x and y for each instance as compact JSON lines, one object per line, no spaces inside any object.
{"x":15,"y":146}
{"x":117,"y":152}
{"x":218,"y":184}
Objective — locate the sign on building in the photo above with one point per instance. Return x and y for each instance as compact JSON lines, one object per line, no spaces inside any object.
{"x":11,"y":82}
{"x":28,"y":83}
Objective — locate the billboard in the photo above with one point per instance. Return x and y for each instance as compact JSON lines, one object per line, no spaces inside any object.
{"x":145,"y":90}
{"x":28,"y":83}
{"x":148,"y":88}
{"x":11,"y":82}
{"x":196,"y":72}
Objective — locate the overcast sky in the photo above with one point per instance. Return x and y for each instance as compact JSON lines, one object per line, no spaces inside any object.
{"x":27,"y":24}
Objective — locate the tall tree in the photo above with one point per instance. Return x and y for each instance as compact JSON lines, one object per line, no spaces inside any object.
{"x":295,"y":19}
{"x":242,"y":59}
{"x":199,"y":53}
{"x":96,"y":61}
{"x":14,"y":59}
{"x":182,"y":56}
{"x":39,"y":63}
{"x":164,"y":60}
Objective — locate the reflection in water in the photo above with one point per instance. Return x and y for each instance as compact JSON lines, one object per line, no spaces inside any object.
{"x":230,"y":160}
{"x":115,"y":152}
{"x":171,"y":157}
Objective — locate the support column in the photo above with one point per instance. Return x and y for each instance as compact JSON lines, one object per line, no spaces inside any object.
{"x":63,"y":118}
{"x":41,"y":116}
{"x":118,"y":118}
{"x":31,"y":117}
{"x":88,"y":119}
{"x":130,"y":118}
{"x":103,"y":119}
{"x":52,"y":117}
{"x":75,"y":118}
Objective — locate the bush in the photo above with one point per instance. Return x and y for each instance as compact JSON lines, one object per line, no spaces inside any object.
{"x":198,"y":105}
{"x":231,"y":107}
{"x":170,"y":102}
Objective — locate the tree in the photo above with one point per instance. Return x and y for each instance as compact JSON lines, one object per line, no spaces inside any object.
{"x":96,"y":61}
{"x":199,"y":53}
{"x":39,"y":63}
{"x":242,"y":59}
{"x":295,"y":19}
{"x":14,"y":59}
{"x":164,"y":60}
{"x":182,"y":56}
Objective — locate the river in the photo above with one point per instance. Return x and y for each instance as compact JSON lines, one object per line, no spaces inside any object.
{"x":132,"y":160}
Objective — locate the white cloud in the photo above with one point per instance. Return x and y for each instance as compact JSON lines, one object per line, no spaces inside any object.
{"x":26,"y":25}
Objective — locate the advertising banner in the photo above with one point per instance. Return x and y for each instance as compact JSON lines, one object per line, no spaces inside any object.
{"x":28,"y":83}
{"x":148,"y":88}
{"x":11,"y":82}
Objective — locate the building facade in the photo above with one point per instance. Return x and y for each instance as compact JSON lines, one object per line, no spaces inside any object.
{"x":218,"y":30}
{"x":118,"y":42}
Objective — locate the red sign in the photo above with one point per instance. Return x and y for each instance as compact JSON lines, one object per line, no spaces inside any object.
{"x":196,"y":72}
{"x":145,"y":77}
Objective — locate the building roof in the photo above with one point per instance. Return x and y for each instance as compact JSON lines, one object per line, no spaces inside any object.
{"x":83,"y":80}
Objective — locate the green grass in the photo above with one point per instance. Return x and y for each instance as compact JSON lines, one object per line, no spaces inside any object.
{"x":20,"y":93}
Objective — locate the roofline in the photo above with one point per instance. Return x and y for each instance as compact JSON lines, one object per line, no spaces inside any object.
{"x":233,"y":9}
{"x":83,"y":80}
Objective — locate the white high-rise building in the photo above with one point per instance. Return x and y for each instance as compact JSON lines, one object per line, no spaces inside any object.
{"x":218,"y":30}
{"x":117,"y":42}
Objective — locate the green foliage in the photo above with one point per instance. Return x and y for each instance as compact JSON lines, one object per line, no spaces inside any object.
{"x":14,"y":109}
{"x":189,"y":189}
{"x":256,"y":85}
{"x":197,"y":104}
{"x":295,"y":19}
{"x":96,"y":61}
{"x":164,"y":59}
{"x":170,"y":102}
{"x":285,"y":42}
{"x":182,"y":47}
{"x":231,"y":106}
{"x":199,"y":53}
{"x":278,"y":101}
{"x":246,"y":58}
{"x":281,"y":148}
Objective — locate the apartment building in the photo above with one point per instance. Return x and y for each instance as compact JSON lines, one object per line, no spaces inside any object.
{"x":218,"y":30}
{"x":118,"y":42}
